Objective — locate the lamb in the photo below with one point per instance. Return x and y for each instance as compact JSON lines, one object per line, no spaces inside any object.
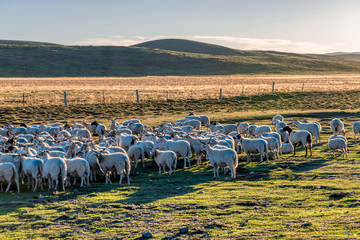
{"x":195,"y":144}
{"x":147,"y":146}
{"x":273,"y":145}
{"x":356,"y":129}
{"x":262,"y":129}
{"x":222,"y":158}
{"x":100,"y":131}
{"x":287,"y":148}
{"x":196,"y":124}
{"x":312,"y":128}
{"x":278,"y":117}
{"x":203,"y":118}
{"x":135,"y":153}
{"x":337,"y":126}
{"x":8,"y":173}
{"x":243,"y":127}
{"x":284,"y":135}
{"x":337,"y":143}
{"x":251,"y":130}
{"x":92,"y":158}
{"x":83,"y":134}
{"x":53,"y":168}
{"x":32,"y":168}
{"x":136,"y":128}
{"x":165,"y":158}
{"x":78,"y":167}
{"x":255,"y":146}
{"x":180,"y":147}
{"x":127,"y":140}
{"x":115,"y":161}
{"x":215,"y":128}
{"x":279,"y":124}
{"x":302,"y":137}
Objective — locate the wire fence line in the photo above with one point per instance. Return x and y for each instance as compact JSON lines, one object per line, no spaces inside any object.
{"x":75,"y":97}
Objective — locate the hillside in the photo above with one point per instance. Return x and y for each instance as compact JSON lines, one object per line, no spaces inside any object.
{"x":182,"y":45}
{"x":47,"y":60}
{"x":346,"y":55}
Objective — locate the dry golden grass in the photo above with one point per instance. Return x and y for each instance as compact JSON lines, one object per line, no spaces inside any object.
{"x":39,"y":91}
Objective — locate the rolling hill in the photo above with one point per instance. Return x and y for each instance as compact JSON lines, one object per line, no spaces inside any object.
{"x":183,"y":45}
{"x":346,"y":55}
{"x":23,"y":59}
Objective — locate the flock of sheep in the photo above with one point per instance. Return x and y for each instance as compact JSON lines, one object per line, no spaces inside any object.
{"x":60,"y":152}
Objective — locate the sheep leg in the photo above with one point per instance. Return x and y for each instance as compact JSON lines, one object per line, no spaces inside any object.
{"x":295,"y":149}
{"x":56,"y":183}
{"x":164,"y":166}
{"x":41,"y":184}
{"x":169,"y":170}
{"x":306,"y":151}
{"x":49,"y":183}
{"x":143,"y":161}
{"x":9,"y":184}
{"x":94,"y":173}
{"x":261,"y":157}
{"x":159,"y":169}
{"x":217,"y":172}
{"x":248,"y":158}
{"x":136,"y":163}
{"x":36,"y":183}
{"x":28,"y":177}
{"x":214,"y":173}
{"x":121,"y":176}
{"x":310,"y":150}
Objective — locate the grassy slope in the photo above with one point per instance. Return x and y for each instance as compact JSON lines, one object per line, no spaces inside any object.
{"x":287,"y":198}
{"x":49,"y":61}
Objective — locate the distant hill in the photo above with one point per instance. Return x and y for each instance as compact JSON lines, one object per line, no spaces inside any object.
{"x":346,"y":55}
{"x":182,"y":45}
{"x":33,"y":59}
{"x":17,"y":42}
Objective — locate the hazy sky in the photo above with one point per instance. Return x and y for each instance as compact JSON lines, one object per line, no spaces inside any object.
{"x":311,"y":26}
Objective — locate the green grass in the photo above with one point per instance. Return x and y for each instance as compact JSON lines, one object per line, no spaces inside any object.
{"x":287,"y":198}
{"x":47,"y":60}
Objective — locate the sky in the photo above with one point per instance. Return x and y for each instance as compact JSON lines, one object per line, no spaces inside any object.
{"x":306,"y":26}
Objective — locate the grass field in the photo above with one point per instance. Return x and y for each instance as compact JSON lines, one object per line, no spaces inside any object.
{"x":36,"y":91}
{"x":288,"y":198}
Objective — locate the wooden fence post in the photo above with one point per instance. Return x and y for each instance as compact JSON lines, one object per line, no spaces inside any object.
{"x":65,"y":100}
{"x":220,"y":93}
{"x":273,"y":86}
{"x":104,"y":96}
{"x":23,"y":99}
{"x":137,"y":96}
{"x":302,"y":87}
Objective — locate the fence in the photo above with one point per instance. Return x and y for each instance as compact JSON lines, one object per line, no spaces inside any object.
{"x":74,"y":97}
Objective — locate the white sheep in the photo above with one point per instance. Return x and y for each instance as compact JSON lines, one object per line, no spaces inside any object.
{"x":337,"y":126}
{"x":273,"y":145}
{"x":255,"y":146}
{"x":356,"y":129}
{"x":251,"y":130}
{"x":180,"y":147}
{"x":8,"y":172}
{"x":92,"y":158}
{"x":33,"y":169}
{"x":284,"y":135}
{"x":302,"y":137}
{"x":278,"y":117}
{"x":53,"y":168}
{"x":215,"y":127}
{"x":262,"y":129}
{"x":337,"y":144}
{"x":118,"y":161}
{"x":165,"y":159}
{"x":101,"y":131}
{"x":78,"y":167}
{"x":195,"y":144}
{"x":279,"y":124}
{"x":135,"y":153}
{"x":196,"y":124}
{"x":136,"y":128}
{"x":287,"y":148}
{"x":127,"y":140}
{"x":243,"y":127}
{"x":148,"y":146}
{"x":222,"y":158}
{"x":312,"y":128}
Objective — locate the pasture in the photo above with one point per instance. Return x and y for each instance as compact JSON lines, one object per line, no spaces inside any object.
{"x":294,"y":197}
{"x":111,"y":90}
